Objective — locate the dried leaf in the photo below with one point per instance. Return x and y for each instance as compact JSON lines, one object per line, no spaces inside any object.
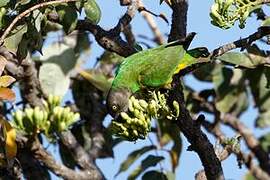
{"x":6,"y":80}
{"x":3,"y":63}
{"x":7,"y":94}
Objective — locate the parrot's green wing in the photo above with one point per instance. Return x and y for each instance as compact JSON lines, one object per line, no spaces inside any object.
{"x":162,"y":67}
{"x":175,"y":60}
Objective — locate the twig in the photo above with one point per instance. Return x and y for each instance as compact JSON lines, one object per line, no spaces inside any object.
{"x":126,"y":18}
{"x":242,"y":43}
{"x":129,"y":35}
{"x":152,"y":24}
{"x":256,"y":171}
{"x":26,"y":12}
{"x":245,"y":132}
{"x":250,"y":140}
{"x":111,"y":40}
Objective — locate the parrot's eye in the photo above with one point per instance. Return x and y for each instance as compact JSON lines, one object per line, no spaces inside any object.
{"x":114,"y":108}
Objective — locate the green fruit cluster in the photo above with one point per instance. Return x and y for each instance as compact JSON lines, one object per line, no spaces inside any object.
{"x":225,"y":13}
{"x":52,"y":119}
{"x":52,"y":102}
{"x":31,"y":120}
{"x":62,"y":118}
{"x":136,"y":123}
{"x":92,"y":11}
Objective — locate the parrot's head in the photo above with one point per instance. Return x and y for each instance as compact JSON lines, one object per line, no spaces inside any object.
{"x":117,"y":101}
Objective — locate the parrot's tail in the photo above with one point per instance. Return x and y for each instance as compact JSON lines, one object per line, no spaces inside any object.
{"x":185,"y":42}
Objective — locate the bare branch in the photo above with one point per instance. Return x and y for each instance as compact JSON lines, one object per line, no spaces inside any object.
{"x":255,"y":170}
{"x":252,"y":143}
{"x":152,"y":24}
{"x":242,"y":43}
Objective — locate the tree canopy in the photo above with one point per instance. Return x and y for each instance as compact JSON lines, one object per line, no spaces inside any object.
{"x":49,"y":95}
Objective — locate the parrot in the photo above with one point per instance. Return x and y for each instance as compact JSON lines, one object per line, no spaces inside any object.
{"x":150,"y":69}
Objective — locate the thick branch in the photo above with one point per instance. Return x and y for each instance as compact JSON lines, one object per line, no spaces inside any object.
{"x":41,"y":154}
{"x":179,"y":20}
{"x":198,"y":140}
{"x":30,"y":85}
{"x":79,"y":154}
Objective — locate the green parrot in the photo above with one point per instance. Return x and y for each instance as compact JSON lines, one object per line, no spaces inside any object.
{"x":150,"y":69}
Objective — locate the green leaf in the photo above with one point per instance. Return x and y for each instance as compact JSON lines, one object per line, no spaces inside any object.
{"x":4,"y":2}
{"x":149,"y":161}
{"x":249,"y":176}
{"x":265,"y":142}
{"x":266,"y":22}
{"x":261,"y":94}
{"x":263,"y":120}
{"x":60,"y":54}
{"x":59,"y":61}
{"x":267,"y":76}
{"x":3,"y":12}
{"x":79,"y":5}
{"x":92,"y":11}
{"x":205,"y":72}
{"x":132,"y":157}
{"x":53,"y":80}
{"x":169,"y":132}
{"x":150,"y":175}
{"x":67,"y":17}
{"x":110,"y":58}
{"x":82,"y":43}
{"x":247,"y":60}
{"x":230,"y":89}
{"x":97,"y":79}
{"x":15,"y":37}
{"x":170,"y":175}
{"x":6,"y":80}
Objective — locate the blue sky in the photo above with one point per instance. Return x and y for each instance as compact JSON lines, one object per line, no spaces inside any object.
{"x":207,"y":35}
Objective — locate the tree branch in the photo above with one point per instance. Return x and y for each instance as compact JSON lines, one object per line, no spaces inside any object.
{"x":79,"y":154}
{"x":60,"y":170}
{"x":242,"y":43}
{"x":26,"y":12}
{"x":198,"y":140}
{"x":179,"y":20}
{"x":152,"y":24}
{"x":250,"y":140}
{"x":255,"y":170}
